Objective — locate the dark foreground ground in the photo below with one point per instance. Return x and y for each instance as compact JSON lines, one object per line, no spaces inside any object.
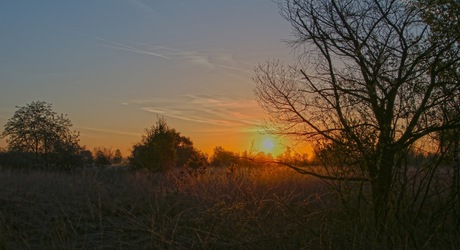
{"x":113,"y":208}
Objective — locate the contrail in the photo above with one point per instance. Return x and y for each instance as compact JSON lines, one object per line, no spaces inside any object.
{"x":109,"y":43}
{"x":132,"y":49}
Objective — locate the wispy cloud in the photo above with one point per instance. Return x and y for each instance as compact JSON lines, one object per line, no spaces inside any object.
{"x":212,"y":110}
{"x":110,"y":43}
{"x":124,"y":47}
{"x":209,"y":59}
{"x":106,"y":131}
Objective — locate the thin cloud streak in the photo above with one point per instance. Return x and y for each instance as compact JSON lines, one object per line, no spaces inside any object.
{"x":108,"y":43}
{"x":218,"y":111}
{"x":133,"y":49}
{"x":182,"y":115}
{"x":209,"y":59}
{"x":107,"y":131}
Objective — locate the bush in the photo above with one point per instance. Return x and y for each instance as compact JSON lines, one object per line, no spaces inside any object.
{"x":161,"y":149}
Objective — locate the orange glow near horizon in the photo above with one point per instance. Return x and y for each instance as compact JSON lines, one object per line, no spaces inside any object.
{"x":269,"y":144}
{"x":236,"y":142}
{"x":205,"y":138}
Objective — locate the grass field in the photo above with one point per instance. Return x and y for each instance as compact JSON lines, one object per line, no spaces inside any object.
{"x":113,"y":208}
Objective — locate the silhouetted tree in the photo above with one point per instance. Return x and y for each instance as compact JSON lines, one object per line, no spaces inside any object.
{"x":87,"y":157}
{"x":197,"y":163}
{"x":162,"y":148}
{"x":103,"y":156}
{"x":290,"y":156}
{"x":117,"y":157}
{"x":184,"y":150}
{"x":36,"y":128}
{"x":369,"y":83}
{"x":224,"y":158}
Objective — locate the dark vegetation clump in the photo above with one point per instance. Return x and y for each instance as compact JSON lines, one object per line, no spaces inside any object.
{"x":39,"y":138}
{"x":163,"y":148}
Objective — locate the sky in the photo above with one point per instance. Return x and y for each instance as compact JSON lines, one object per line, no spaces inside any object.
{"x":115,"y":66}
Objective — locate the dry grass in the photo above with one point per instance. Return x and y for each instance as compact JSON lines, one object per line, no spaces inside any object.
{"x":264,"y":208}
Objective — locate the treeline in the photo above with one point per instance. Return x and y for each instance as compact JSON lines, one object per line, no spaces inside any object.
{"x":39,"y":138}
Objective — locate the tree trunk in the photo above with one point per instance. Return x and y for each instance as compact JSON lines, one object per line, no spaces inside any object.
{"x":381,"y":186}
{"x":455,"y":176}
{"x":455,"y":151}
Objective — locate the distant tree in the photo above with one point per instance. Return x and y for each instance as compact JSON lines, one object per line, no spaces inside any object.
{"x":224,"y":158}
{"x":36,"y":128}
{"x":103,"y":156}
{"x":184,"y":150}
{"x":368,"y":84}
{"x":117,"y":157}
{"x":197,"y":163}
{"x":292,"y":157}
{"x":87,"y":157}
{"x":263,"y":157}
{"x":162,"y":148}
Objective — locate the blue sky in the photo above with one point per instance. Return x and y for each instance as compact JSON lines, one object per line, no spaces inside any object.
{"x":114,"y":66}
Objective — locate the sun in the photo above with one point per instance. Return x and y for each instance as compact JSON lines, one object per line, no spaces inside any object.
{"x":268,"y":145}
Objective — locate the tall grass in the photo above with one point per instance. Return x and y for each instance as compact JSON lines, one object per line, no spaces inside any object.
{"x":113,"y":208}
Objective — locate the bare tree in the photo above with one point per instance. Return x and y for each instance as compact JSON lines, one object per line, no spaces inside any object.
{"x":368,"y":81}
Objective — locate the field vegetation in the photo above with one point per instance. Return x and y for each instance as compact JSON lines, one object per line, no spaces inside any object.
{"x":263,"y":207}
{"x":181,"y":198}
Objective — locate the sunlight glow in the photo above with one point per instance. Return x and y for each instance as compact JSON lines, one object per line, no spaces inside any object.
{"x":268,"y":145}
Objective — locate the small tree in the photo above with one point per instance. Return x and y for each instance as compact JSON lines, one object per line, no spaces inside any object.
{"x":162,"y":148}
{"x":103,"y":156}
{"x":36,"y":128}
{"x":117,"y":157}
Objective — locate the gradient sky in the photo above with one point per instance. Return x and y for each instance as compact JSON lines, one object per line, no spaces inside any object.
{"x":114,"y":66}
